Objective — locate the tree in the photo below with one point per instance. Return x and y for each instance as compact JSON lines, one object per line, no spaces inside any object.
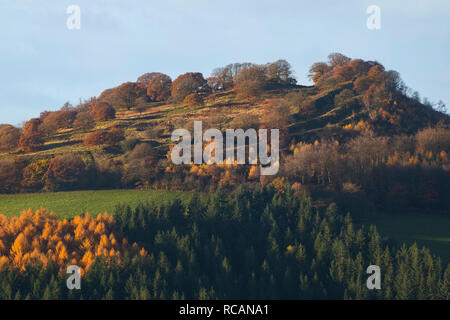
{"x":84,"y":121}
{"x":158,"y":88}
{"x":193,"y":100}
{"x":34,"y":175}
{"x":103,"y":111}
{"x":337,"y":59}
{"x":250,"y":82}
{"x":9,"y":175}
{"x":9,"y":137}
{"x":104,"y":137}
{"x":185,"y":84}
{"x":280,"y":73}
{"x":221,"y":79}
{"x":31,"y":137}
{"x":127,"y":94}
{"x":66,"y":171}
{"x":146,"y":78}
{"x":318,"y":71}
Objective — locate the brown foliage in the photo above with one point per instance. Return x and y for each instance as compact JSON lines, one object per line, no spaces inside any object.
{"x":104,"y":137}
{"x":158,"y":88}
{"x":31,"y":136}
{"x":193,"y":100}
{"x":250,"y":82}
{"x":185,"y":84}
{"x":146,"y":78}
{"x":127,"y":94}
{"x":103,"y":111}
{"x":9,"y":175}
{"x":84,"y":121}
{"x":9,"y":137}
{"x":66,"y":171}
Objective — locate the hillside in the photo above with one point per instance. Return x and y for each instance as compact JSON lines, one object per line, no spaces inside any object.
{"x":356,"y":136}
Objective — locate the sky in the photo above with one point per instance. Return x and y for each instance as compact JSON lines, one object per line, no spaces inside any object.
{"x":43,"y":64}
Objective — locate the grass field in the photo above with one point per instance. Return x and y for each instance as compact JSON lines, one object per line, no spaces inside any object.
{"x":429,"y":230}
{"x":69,"y":204}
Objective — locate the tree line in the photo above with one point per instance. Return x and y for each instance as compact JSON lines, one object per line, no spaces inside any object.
{"x":259,"y":244}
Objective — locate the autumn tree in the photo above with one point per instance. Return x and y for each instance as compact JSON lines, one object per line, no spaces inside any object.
{"x":318,"y":71}
{"x":337,"y":59}
{"x":193,"y":100}
{"x":221,"y":79}
{"x":31,"y":137}
{"x":9,"y":175}
{"x":185,"y":84}
{"x":280,"y":73}
{"x":34,"y":174}
{"x":103,"y":111}
{"x":127,"y":94}
{"x":146,"y":78}
{"x":250,"y":82}
{"x":9,"y":137}
{"x":84,"y":121}
{"x":158,"y":88}
{"x":66,"y":171}
{"x":104,"y":137}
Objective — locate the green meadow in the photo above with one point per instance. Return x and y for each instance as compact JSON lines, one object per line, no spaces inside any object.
{"x":432,"y":231}
{"x":70,"y":204}
{"x":429,"y":230}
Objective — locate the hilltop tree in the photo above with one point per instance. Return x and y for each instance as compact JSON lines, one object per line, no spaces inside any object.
{"x":280,"y":73}
{"x":185,"y":84}
{"x":146,"y":78}
{"x":318,"y":71}
{"x":158,"y":88}
{"x":103,"y":111}
{"x":9,"y":137}
{"x":221,"y":79}
{"x":31,"y":137}
{"x":127,"y":94}
{"x":250,"y":82}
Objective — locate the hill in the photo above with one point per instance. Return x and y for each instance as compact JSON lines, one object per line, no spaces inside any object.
{"x":358,"y":136}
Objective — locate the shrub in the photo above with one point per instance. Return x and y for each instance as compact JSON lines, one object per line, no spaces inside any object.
{"x":84,"y":121}
{"x":103,"y":111}
{"x":104,"y":137}
{"x":193,"y":100}
{"x":9,"y":137}
{"x":66,"y":172}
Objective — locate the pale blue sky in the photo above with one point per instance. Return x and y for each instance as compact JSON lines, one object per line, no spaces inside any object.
{"x":43,"y":64}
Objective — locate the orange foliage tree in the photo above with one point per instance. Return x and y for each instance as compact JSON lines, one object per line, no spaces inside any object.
{"x":103,"y":111}
{"x":31,"y":136}
{"x":9,"y":137}
{"x":40,"y":237}
{"x":159,"y":88}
